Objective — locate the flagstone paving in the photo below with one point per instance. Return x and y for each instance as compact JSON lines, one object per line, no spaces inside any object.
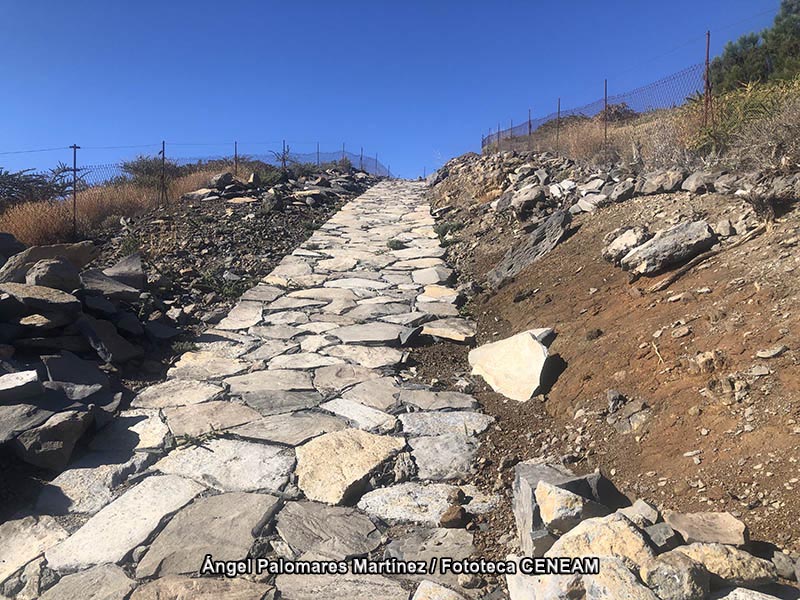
{"x":278,"y":435}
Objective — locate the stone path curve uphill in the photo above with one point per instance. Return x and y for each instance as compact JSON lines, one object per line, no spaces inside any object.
{"x":284,"y":433}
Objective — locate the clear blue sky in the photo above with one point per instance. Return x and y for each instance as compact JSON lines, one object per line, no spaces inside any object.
{"x":417,"y":81}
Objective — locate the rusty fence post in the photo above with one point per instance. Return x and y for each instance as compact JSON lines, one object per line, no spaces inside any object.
{"x":236,"y":158}
{"x":75,"y":149}
{"x":317,"y":154}
{"x":361,"y":160}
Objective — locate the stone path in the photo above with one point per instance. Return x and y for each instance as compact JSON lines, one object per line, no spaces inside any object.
{"x":286,"y":432}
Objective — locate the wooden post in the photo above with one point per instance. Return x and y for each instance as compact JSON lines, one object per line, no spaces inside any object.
{"x":707,"y":91}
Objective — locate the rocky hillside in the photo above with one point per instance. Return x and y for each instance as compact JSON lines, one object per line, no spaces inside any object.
{"x":672,"y":299}
{"x":84,"y":325}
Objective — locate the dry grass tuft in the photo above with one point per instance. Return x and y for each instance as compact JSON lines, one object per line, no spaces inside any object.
{"x":50,"y":222}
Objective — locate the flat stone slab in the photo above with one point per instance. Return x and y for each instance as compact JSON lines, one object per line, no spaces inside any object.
{"x":458,"y":330}
{"x":291,"y":429}
{"x":24,"y":540}
{"x":709,"y":527}
{"x":223,"y":526}
{"x":442,"y":457}
{"x":216,"y":415}
{"x":303,"y":587}
{"x":275,"y":332}
{"x":370,"y":334}
{"x":380,"y":394}
{"x":269,"y":380}
{"x":303,"y":360}
{"x":88,"y":485}
{"x":409,"y":319}
{"x":338,"y":377}
{"x":177,"y":392}
{"x":232,"y":465}
{"x":204,"y":366}
{"x":245,"y":314}
{"x":513,"y":366}
{"x":137,"y":429}
{"x":372,"y":357}
{"x":427,"y":400}
{"x":262,"y":293}
{"x":179,"y":587}
{"x":108,"y":582}
{"x":331,"y":531}
{"x":439,"y":423}
{"x":423,"y":543}
{"x":333,"y":467}
{"x":270,"y":349}
{"x":356,"y":283}
{"x":409,"y":502}
{"x":291,"y":303}
{"x":287,"y":317}
{"x":276,"y":402}
{"x":363,"y":417}
{"x":432,"y":275}
{"x":124,"y":524}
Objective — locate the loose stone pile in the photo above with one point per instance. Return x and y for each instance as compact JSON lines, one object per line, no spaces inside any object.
{"x":642,"y":553}
{"x":284,"y":433}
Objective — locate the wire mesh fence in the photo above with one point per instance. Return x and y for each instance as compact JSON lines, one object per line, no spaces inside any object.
{"x":542,"y":133}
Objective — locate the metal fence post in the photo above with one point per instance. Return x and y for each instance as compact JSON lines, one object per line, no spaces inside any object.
{"x":361,"y":160}
{"x":605,"y":116}
{"x":499,"y":142}
{"x":236,"y":158}
{"x":283,"y":156}
{"x":342,"y":151}
{"x":558,"y":124}
{"x":318,"y":154}
{"x":530,"y":132}
{"x":511,"y":132}
{"x":162,"y":192}
{"x":75,"y":149}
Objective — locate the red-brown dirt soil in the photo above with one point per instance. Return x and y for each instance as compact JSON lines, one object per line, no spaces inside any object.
{"x":718,"y":438}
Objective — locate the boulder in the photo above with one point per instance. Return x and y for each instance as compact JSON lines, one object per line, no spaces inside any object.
{"x":38,"y":299}
{"x":335,"y":466}
{"x":531,"y":248}
{"x":613,"y":535}
{"x":106,"y":341}
{"x":621,"y":241}
{"x":16,"y":267}
{"x":96,"y":282}
{"x":561,"y":510}
{"x":624,"y":190}
{"x":128,"y":271}
{"x":57,"y":273}
{"x":221,"y":180}
{"x":670,"y":246}
{"x":662,"y":537}
{"x":613,"y":582}
{"x":50,"y":445}
{"x":9,"y":246}
{"x":15,"y":387}
{"x":729,"y":566}
{"x":77,"y":377}
{"x":709,"y":527}
{"x":663,"y":182}
{"x":513,"y":366}
{"x":428,"y":590}
{"x":699,"y":182}
{"x":675,"y":576}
